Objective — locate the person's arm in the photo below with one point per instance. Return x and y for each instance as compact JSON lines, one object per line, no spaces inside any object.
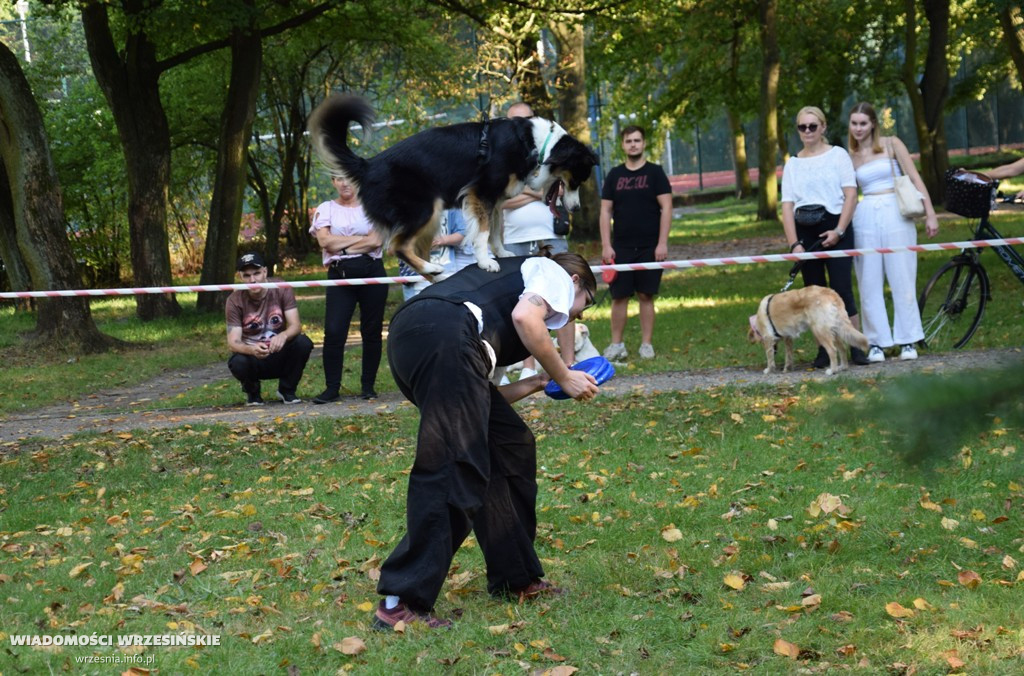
{"x":452,"y":239}
{"x":522,"y":199}
{"x":523,"y":387}
{"x":567,"y":342}
{"x":347,"y":244}
{"x":293,"y":327}
{"x":664,"y":226}
{"x":605,"y":225}
{"x":1015,"y":168}
{"x":789,"y":228}
{"x":831,"y":237}
{"x":931,"y":221}
{"x":528,"y":318}
{"x":236,"y":344}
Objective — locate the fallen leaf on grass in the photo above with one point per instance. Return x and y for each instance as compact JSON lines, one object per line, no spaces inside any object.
{"x":734,"y":581}
{"x":671,"y":534}
{"x":79,"y":569}
{"x":953,"y":659}
{"x":926,"y":503}
{"x":197,"y":566}
{"x":786,"y":649}
{"x":847,"y":650}
{"x":921,"y":604}
{"x":896,"y":610}
{"x":949,"y":524}
{"x":350,"y":645}
{"x":969,"y":579}
{"x":826,"y":503}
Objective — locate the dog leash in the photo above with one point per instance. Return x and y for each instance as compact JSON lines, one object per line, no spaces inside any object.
{"x":799,"y":264}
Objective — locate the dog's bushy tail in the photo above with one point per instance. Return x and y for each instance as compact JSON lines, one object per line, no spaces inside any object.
{"x":852,"y":336}
{"x":328,"y":132}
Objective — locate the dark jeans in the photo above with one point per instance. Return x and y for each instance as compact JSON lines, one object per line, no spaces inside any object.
{"x":341,"y":305}
{"x":834,"y":273}
{"x":476,"y":460}
{"x":286,"y":365}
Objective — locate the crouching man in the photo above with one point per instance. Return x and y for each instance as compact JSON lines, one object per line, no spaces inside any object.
{"x":265,"y":335}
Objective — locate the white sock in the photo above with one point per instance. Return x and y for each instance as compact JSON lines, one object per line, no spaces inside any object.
{"x":527,"y":372}
{"x":390,"y":602}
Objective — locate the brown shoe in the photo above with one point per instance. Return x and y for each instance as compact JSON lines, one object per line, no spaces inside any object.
{"x":536,"y":589}
{"x":385,"y":619}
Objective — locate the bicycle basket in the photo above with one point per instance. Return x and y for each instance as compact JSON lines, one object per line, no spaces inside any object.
{"x":969,"y":193}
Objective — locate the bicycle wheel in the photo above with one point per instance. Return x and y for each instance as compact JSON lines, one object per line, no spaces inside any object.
{"x":953,"y":303}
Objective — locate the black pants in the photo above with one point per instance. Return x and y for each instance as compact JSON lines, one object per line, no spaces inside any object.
{"x":286,"y":365}
{"x":476,"y":460}
{"x":834,"y":273}
{"x":341,"y":305}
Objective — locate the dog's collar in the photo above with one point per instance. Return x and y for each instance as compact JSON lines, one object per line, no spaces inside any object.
{"x":544,"y":146}
{"x":768,"y":316}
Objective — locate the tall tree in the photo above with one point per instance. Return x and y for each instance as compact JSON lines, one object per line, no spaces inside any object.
{"x":928,"y":94}
{"x":1012,"y":23}
{"x":30,"y":202}
{"x":768,"y":190}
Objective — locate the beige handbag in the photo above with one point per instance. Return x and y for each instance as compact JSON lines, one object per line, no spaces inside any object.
{"x":908,"y":197}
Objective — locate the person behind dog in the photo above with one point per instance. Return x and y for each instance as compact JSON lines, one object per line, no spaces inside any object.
{"x":819,"y":196}
{"x":476,"y":459}
{"x":529,"y":227}
{"x":877,"y":160}
{"x":265,"y":335}
{"x":351,"y":249}
{"x":637,"y":199}
{"x":449,"y":238}
{"x":1010,"y":170}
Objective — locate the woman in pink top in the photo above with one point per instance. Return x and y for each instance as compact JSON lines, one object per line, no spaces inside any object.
{"x":351,"y":249}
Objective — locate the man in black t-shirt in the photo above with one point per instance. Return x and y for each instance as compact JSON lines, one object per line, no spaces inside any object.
{"x":637,"y":199}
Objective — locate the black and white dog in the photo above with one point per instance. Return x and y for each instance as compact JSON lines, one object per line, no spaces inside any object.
{"x":478,"y":164}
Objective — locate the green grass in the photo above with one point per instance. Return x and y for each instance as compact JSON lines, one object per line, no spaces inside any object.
{"x":285,"y":526}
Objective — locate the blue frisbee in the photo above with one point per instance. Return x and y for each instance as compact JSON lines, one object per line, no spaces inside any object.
{"x":599,"y":367}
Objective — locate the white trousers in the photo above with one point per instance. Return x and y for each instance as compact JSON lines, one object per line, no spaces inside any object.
{"x":877,"y":223}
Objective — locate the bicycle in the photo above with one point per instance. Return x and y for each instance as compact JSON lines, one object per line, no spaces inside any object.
{"x":953,"y":301}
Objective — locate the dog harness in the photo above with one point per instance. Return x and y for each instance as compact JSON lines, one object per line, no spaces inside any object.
{"x":768,"y":315}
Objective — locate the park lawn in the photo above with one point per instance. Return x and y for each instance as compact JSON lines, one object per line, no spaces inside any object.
{"x":733,"y":529}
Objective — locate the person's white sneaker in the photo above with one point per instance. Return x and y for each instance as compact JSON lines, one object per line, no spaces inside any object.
{"x":908,"y":352}
{"x":616,"y":352}
{"x":646,"y":351}
{"x":875,"y":354}
{"x":527,"y":372}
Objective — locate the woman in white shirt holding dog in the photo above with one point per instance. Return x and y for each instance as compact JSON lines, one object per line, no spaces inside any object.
{"x":877,"y":161}
{"x":819,"y":196}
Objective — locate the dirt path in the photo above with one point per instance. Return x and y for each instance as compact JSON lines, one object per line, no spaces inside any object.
{"x":120,"y":410}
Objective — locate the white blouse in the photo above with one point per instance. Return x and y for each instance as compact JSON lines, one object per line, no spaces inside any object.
{"x":819,"y":179}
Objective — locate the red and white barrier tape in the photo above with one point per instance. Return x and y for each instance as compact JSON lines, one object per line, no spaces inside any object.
{"x":664,"y":265}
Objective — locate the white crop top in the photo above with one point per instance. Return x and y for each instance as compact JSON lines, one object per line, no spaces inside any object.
{"x":877,"y":176}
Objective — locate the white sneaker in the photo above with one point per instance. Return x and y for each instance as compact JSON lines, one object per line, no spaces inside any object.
{"x":907,"y":352}
{"x":527,"y":372}
{"x":875,"y":354}
{"x":646,"y":351}
{"x":616,"y":352}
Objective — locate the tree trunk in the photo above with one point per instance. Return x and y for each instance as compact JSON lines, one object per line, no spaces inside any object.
{"x":36,"y":207}
{"x":14,"y":265}
{"x":739,"y":154}
{"x":132,"y":90}
{"x":232,"y":152}
{"x":572,"y":106}
{"x":928,"y":99}
{"x":767,"y":183}
{"x":1011,"y":20}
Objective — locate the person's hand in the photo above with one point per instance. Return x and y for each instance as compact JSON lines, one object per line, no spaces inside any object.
{"x":931,"y":225}
{"x":1019,"y":197}
{"x":579,"y":385}
{"x":607,"y":255}
{"x":276,"y":343}
{"x":261,"y":350}
{"x":829,"y":239}
{"x":661,"y":252}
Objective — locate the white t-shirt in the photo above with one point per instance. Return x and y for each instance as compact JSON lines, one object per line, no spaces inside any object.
{"x":819,"y":179}
{"x":529,"y":223}
{"x":550,"y":281}
{"x":347,"y":221}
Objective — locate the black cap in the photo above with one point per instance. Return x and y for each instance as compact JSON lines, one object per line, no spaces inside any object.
{"x":250,"y":260}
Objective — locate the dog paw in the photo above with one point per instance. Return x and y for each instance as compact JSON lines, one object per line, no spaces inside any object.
{"x":489,"y":264}
{"x":441,"y":277}
{"x":503,"y":253}
{"x":829,"y":372}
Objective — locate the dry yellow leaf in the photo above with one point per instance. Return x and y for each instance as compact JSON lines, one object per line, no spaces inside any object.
{"x":366,"y":606}
{"x":263,"y":638}
{"x":969,"y":579}
{"x":953,"y":659}
{"x":896,"y":610}
{"x":497,"y":629}
{"x":350,"y":645}
{"x":197,"y":566}
{"x":734,"y":581}
{"x":926,"y":503}
{"x":921,"y":604}
{"x":786,"y":649}
{"x":671,"y":534}
{"x":949,"y":524}
{"x":814,"y":600}
{"x":79,"y":569}
{"x":1009,"y":563}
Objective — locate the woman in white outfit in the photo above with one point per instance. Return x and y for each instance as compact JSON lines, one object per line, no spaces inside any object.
{"x":879,"y":224}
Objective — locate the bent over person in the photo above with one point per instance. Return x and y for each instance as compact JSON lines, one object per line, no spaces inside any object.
{"x":265,"y":335}
{"x":475,"y":466}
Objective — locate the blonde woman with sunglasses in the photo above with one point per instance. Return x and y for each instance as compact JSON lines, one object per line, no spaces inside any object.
{"x":819,"y":196}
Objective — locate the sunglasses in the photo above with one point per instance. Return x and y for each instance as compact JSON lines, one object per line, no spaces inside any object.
{"x":807,"y":127}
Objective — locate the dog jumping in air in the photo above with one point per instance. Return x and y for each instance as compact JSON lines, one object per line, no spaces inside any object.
{"x":784,"y":316}
{"x":478,"y":165}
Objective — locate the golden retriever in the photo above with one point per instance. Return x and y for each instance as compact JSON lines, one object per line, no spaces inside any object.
{"x":784,"y":316}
